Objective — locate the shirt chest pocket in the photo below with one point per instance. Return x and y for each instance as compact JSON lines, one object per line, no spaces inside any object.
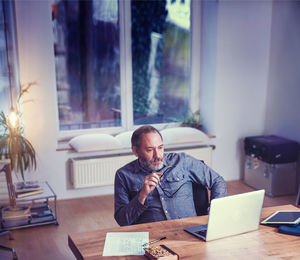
{"x":176,"y":184}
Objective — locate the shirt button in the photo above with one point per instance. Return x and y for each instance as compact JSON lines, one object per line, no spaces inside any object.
{"x":166,"y":211}
{"x":162,"y":198}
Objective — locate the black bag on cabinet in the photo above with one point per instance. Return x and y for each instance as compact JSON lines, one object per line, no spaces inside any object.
{"x":272,"y":149}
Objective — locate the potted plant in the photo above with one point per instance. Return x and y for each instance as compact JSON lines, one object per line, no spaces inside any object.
{"x":13,"y":144}
{"x":193,"y":120}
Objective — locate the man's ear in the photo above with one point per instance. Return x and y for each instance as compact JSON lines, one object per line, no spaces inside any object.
{"x":134,"y":150}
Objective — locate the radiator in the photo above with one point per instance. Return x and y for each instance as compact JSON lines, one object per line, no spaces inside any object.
{"x":100,"y":171}
{"x":92,"y":172}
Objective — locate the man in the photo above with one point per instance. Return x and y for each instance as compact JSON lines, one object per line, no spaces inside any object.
{"x":158,"y":186}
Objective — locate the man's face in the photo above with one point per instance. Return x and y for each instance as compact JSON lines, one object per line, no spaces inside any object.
{"x":150,"y":152}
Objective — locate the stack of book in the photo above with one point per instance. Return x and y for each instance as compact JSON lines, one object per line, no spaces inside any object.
{"x":41,"y":213}
{"x":15,"y":216}
{"x":27,"y":188}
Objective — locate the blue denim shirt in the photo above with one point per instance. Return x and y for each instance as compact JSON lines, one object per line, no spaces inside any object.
{"x":172,"y":198}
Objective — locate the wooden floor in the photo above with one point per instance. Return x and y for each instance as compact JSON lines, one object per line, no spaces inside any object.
{"x":78,"y":215}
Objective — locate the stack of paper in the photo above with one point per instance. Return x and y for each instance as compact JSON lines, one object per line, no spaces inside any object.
{"x":125,"y":243}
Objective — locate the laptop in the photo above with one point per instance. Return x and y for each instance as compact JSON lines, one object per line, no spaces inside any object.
{"x":231,"y":215}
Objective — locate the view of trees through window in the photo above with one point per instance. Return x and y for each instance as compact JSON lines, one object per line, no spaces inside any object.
{"x":88,"y":57}
{"x":4,"y":66}
{"x":160,"y":60}
{"x":9,"y":81}
{"x":87,"y":63}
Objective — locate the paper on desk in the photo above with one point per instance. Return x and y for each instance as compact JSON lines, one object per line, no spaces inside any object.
{"x":125,"y":243}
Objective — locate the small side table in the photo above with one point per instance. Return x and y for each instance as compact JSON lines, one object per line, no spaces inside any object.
{"x":41,"y":212}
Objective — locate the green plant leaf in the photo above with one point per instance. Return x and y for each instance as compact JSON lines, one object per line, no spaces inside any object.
{"x":13,"y":144}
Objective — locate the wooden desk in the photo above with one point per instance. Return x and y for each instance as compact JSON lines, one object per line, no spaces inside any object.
{"x":264,"y":243}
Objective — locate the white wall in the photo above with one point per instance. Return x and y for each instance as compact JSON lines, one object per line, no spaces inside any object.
{"x":241,"y":77}
{"x":283,"y":106}
{"x":283,"y":101}
{"x":237,"y":92}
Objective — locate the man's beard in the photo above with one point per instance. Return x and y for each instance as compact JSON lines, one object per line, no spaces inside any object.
{"x":147,"y":165}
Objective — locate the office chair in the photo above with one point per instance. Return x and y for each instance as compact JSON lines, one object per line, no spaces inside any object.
{"x":14,"y":254}
{"x":298,"y":198}
{"x":5,"y":167}
{"x":201,"y":199}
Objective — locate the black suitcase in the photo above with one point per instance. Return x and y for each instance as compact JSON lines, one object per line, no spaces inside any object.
{"x":272,"y":149}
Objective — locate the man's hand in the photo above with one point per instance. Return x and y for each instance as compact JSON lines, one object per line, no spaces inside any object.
{"x":150,"y":182}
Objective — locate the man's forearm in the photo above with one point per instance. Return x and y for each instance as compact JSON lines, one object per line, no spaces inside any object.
{"x":219,"y":188}
{"x":127,"y":214}
{"x":142,"y":197}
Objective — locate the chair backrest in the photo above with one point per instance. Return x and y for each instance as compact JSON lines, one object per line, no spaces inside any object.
{"x":201,"y":199}
{"x":5,"y":167}
{"x":4,"y":195}
{"x":298,"y":197}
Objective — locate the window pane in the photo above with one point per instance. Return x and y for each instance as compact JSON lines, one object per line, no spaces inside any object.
{"x":4,"y":72}
{"x":8,"y":60}
{"x":160,"y":60}
{"x":87,"y":57}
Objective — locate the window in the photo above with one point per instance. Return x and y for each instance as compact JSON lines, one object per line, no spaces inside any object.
{"x":8,"y":57}
{"x":122,"y":63}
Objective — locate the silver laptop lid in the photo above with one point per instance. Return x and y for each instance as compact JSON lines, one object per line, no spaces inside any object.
{"x":234,"y":214}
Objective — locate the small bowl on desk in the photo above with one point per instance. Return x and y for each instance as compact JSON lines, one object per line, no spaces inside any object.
{"x":160,"y":252}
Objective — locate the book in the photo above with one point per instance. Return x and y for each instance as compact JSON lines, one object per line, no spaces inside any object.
{"x":15,"y":212}
{"x":40,"y":212}
{"x":17,"y":222}
{"x":290,"y":230}
{"x":42,"y":219}
{"x":26,"y":186}
{"x":28,"y":193}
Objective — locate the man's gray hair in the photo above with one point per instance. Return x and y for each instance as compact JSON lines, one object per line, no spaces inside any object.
{"x":137,"y":135}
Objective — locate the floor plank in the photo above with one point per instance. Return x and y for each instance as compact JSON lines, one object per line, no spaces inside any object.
{"x":85,"y":214}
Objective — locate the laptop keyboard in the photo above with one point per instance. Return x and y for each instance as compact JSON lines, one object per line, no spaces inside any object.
{"x":202,"y":231}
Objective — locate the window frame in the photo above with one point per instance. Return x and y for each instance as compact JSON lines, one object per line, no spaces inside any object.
{"x":11,"y":51}
{"x":127,"y":122}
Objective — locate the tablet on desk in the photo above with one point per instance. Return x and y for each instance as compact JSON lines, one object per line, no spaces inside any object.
{"x":281,"y":217}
